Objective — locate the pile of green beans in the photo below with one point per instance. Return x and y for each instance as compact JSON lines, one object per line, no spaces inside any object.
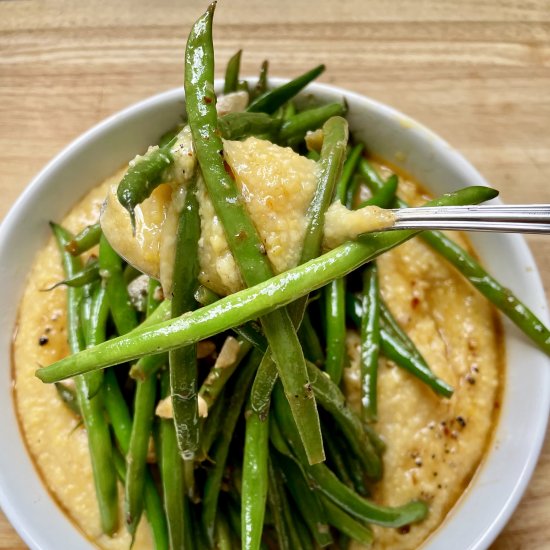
{"x":239,"y":458}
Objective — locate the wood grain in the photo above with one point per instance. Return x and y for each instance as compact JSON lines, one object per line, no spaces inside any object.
{"x":476,"y":71}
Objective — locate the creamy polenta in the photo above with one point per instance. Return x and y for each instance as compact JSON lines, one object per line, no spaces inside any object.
{"x":433,"y":445}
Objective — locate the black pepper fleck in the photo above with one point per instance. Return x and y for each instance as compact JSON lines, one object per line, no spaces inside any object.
{"x":43,"y":340}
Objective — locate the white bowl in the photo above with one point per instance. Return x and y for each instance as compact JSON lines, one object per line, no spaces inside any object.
{"x":498,"y":486}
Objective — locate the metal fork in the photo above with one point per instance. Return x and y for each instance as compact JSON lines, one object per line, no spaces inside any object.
{"x":517,"y":218}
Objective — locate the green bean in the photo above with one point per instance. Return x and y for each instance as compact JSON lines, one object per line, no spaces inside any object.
{"x":240,"y":231}
{"x":95,"y":330}
{"x":122,"y":426}
{"x":398,"y":347}
{"x":99,"y":439}
{"x":336,"y":460}
{"x":232,"y":73}
{"x":136,"y":459}
{"x":295,"y":127}
{"x":221,"y":447}
{"x":347,"y":524}
{"x":503,"y":298}
{"x":307,"y":501}
{"x":255,"y":480}
{"x":144,"y":174}
{"x":275,"y":98}
{"x":261,"y":86}
{"x":390,"y":323}
{"x":237,"y":126}
{"x":349,"y":169}
{"x":385,"y":195}
{"x":334,"y":489}
{"x":288,"y":110}
{"x":148,"y":365}
{"x":310,"y":341}
{"x":370,"y":342}
{"x":277,"y":503}
{"x":303,"y":534}
{"x":171,"y":473}
{"x":124,"y":315}
{"x":335,"y":309}
{"x":88,"y":275}
{"x":183,"y":361}
{"x":247,"y":304}
{"x":333,"y":401}
{"x":223,"y":534}
{"x":395,"y":350}
{"x":86,"y":239}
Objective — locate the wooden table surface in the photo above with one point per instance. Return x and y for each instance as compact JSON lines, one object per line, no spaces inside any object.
{"x":475,"y":71}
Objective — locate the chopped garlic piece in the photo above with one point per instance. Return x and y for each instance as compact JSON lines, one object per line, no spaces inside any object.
{"x":235,"y":102}
{"x":314,"y":140}
{"x":228,"y":354}
{"x":164,"y":408}
{"x":343,"y":225}
{"x":203,"y":407}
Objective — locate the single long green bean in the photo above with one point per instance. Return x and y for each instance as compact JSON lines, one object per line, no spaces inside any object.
{"x":241,"y":234}
{"x":171,"y":473}
{"x":385,"y":195}
{"x":237,"y":126}
{"x":346,"y":523}
{"x":389,"y":322}
{"x":277,"y":503}
{"x":370,"y":343}
{"x":122,"y":311}
{"x":99,"y":439}
{"x":220,"y":449}
{"x":136,"y":458}
{"x":503,"y":298}
{"x":247,"y":304}
{"x":261,"y":86}
{"x":254,"y":480}
{"x":350,"y":166}
{"x":335,"y":314}
{"x":336,"y":461}
{"x":86,"y":239}
{"x":96,"y":330}
{"x":232,"y":73}
{"x":294,"y":129}
{"x":310,"y":341}
{"x":334,"y":489}
{"x":183,"y":361}
{"x":273,"y":99}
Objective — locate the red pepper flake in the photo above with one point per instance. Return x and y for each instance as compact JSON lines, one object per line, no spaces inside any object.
{"x":415,"y":302}
{"x":404,"y":530}
{"x":207,"y":100}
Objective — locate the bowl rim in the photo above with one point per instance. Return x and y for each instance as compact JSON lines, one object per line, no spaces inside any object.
{"x":19,"y":517}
